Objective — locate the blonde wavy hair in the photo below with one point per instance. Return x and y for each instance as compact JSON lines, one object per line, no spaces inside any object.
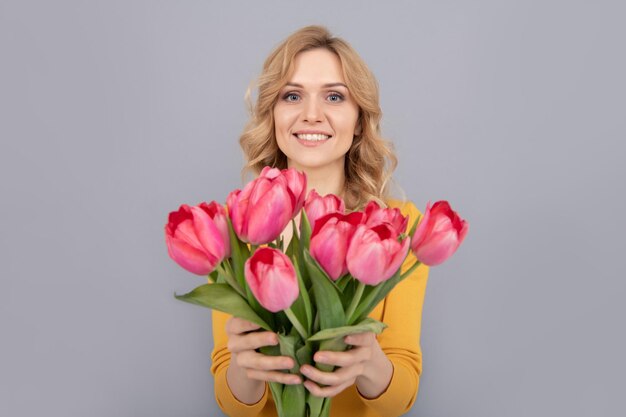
{"x":370,"y":160}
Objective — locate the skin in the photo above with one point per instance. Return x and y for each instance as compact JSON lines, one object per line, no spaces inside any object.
{"x":249,"y":369}
{"x":307,"y":102}
{"x":312,"y":99}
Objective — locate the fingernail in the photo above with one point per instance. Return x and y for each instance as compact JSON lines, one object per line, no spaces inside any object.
{"x":320,"y":357}
{"x":294,"y":380}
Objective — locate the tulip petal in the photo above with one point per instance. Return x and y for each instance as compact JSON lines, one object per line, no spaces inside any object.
{"x":269,"y":172}
{"x":329,"y":247}
{"x":188,"y":257}
{"x":366,"y":257}
{"x":217,"y":212}
{"x":272,"y":279}
{"x":437,"y":248}
{"x":396,"y":252}
{"x":185,"y":232}
{"x":277,"y":295}
{"x":296,"y":182}
{"x":268,"y":217}
{"x":237,"y":203}
{"x":367,"y":263}
{"x":208,"y":234}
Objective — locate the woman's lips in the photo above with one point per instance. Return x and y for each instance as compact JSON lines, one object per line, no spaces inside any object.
{"x":311,"y":143}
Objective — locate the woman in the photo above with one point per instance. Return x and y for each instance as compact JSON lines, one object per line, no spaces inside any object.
{"x":318,"y":111}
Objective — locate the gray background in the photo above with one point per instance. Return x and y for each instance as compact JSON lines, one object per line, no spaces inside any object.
{"x":114,"y":113}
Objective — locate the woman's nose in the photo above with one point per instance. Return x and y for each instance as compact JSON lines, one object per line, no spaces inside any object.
{"x":312,"y":111}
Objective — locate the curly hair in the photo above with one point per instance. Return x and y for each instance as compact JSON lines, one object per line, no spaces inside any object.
{"x":370,"y":160}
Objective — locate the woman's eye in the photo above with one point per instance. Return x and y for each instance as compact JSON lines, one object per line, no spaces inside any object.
{"x":335,"y":97}
{"x":291,"y":97}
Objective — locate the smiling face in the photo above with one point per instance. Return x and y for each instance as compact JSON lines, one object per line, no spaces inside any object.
{"x":315,"y":116}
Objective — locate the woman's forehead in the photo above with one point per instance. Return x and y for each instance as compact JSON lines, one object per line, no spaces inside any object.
{"x":317,"y":67}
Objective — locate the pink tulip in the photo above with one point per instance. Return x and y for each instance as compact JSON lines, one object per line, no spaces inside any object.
{"x":375,"y":254}
{"x":197,"y":237}
{"x":317,"y":206}
{"x":262,"y":210}
{"x":439,"y":234}
{"x":376,"y":215}
{"x":272,"y":279}
{"x":330,"y":240}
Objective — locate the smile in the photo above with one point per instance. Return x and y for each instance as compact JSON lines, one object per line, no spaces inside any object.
{"x":313,"y":137}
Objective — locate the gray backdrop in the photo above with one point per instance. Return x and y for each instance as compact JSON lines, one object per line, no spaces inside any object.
{"x":114,"y":113}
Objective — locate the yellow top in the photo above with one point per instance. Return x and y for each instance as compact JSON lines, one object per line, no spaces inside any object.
{"x":401,"y":310}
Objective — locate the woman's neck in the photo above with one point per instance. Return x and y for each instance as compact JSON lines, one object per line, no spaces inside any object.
{"x":325,"y":181}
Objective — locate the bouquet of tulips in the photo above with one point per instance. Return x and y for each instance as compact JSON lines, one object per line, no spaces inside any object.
{"x":336,"y":268}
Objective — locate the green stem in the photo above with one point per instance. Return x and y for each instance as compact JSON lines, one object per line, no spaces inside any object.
{"x":411,"y":269}
{"x":229,"y":268}
{"x":279,"y":243}
{"x":355,"y":300}
{"x":230,"y":280}
{"x":359,"y":309}
{"x":296,"y":323}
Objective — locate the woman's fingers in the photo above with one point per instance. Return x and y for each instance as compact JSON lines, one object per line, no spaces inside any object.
{"x":329,"y":391}
{"x":235,"y":325}
{"x":336,"y":378}
{"x":346,"y":358}
{"x":351,"y":364}
{"x":242,"y":336}
{"x":274,"y":376}
{"x":251,"y":341}
{"x":254,"y":360}
{"x":360,"y":339}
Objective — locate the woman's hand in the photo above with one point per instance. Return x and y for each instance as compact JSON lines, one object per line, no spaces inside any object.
{"x":248,"y":368}
{"x":365,"y":364}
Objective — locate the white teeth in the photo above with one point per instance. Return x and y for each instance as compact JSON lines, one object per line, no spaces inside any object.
{"x":313,"y":137}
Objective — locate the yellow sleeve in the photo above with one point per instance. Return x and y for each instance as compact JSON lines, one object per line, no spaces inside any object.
{"x":220,"y":357}
{"x":402,"y":312}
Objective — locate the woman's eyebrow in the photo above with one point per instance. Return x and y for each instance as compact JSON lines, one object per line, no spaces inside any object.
{"x":323,"y":86}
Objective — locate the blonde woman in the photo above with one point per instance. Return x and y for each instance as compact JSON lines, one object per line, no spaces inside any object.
{"x":318,"y":111}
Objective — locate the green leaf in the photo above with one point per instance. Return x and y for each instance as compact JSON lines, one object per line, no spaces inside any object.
{"x":303,"y":302}
{"x":287,"y":345}
{"x":371,"y":298}
{"x":343,"y":282}
{"x":304,"y":354}
{"x":213,"y":276}
{"x":367,"y":325}
{"x":315,"y":404}
{"x":258,"y":308}
{"x":326,"y":407}
{"x":238,"y":256}
{"x":270,"y":350}
{"x":293,"y":396}
{"x":293,"y":401}
{"x":294,"y":244}
{"x":414,"y":227}
{"x":305,"y":230}
{"x":225,"y":275}
{"x":348,"y":294}
{"x":332,"y":345}
{"x":277,"y":394}
{"x":223,"y":298}
{"x":327,"y":299}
